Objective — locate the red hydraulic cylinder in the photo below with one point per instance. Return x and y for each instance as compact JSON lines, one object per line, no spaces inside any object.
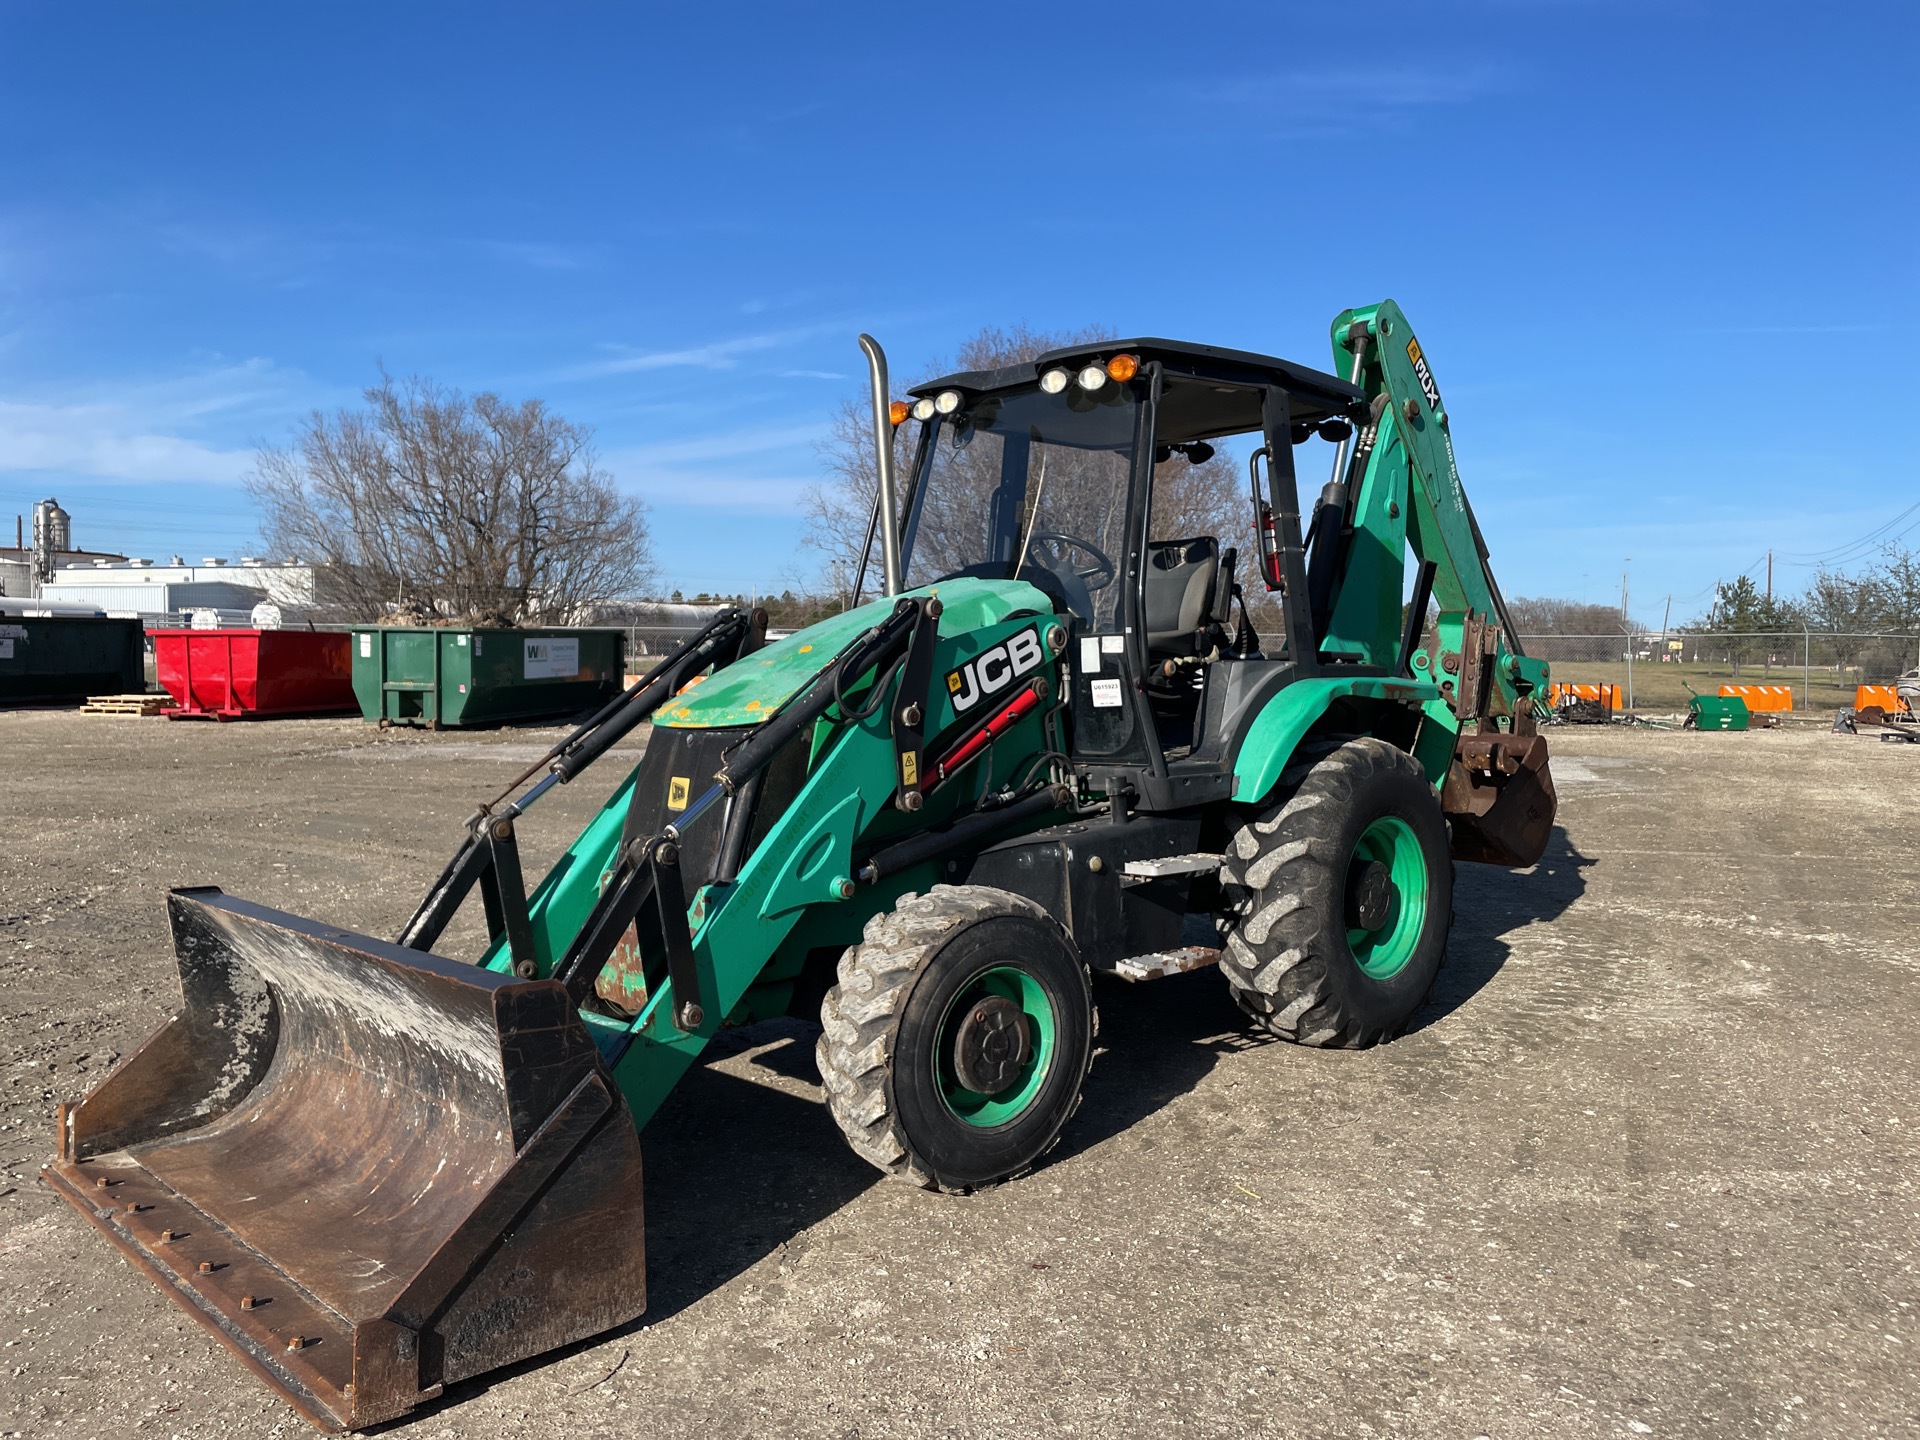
{"x":1014,"y":711}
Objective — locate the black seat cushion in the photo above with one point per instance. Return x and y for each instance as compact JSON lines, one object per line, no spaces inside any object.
{"x":1184,"y":593}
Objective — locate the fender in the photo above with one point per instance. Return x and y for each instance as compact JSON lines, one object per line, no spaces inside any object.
{"x":1277,"y":731}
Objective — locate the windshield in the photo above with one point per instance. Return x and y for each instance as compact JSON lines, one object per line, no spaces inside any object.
{"x":1029,"y":486}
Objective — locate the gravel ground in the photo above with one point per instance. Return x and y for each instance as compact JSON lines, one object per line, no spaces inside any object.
{"x":1645,"y":1166}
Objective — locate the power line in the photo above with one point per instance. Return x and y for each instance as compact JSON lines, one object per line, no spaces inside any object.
{"x":1864,"y":549}
{"x":1853,"y":549}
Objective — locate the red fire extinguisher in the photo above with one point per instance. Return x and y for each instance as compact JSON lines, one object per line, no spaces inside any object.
{"x":1266,"y":533}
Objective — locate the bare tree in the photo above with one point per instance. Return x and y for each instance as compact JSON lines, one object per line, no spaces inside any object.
{"x":442,"y":504}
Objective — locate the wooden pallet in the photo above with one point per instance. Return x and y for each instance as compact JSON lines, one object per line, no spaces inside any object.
{"x":127,"y":705}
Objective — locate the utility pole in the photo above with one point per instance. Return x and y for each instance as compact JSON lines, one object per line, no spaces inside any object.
{"x":1626,"y":622}
{"x":1806,"y":663}
{"x":1769,"y":574}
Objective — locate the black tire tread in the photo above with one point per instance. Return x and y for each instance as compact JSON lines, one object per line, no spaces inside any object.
{"x":1271,"y":957}
{"x":860,"y":1016}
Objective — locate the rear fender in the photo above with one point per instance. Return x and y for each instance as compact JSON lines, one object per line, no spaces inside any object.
{"x":1290,"y":715}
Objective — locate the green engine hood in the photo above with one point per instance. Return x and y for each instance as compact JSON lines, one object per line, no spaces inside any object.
{"x":751,"y":689}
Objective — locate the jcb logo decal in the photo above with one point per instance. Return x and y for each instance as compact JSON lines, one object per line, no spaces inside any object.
{"x":992,"y":671}
{"x":1423,"y":374}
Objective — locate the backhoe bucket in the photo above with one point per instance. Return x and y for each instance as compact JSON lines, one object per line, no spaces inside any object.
{"x":1499,"y":795}
{"x":370,"y":1171}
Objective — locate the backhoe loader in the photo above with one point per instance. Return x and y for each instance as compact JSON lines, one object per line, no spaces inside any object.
{"x":1056,"y":745}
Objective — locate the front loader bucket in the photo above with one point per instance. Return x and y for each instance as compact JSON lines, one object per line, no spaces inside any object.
{"x":370,"y":1171}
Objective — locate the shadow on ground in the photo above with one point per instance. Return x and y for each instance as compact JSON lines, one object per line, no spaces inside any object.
{"x":736,"y":1170}
{"x":1490,"y":903}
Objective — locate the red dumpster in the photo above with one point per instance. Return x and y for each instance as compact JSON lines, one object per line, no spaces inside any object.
{"x":225,"y":674}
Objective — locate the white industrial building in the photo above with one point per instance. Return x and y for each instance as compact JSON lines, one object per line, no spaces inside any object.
{"x":154,"y":591}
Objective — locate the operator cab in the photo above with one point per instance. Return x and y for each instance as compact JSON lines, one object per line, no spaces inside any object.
{"x":1111,"y":477}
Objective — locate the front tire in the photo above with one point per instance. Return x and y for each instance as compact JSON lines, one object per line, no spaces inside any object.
{"x":954,"y":1046}
{"x":1339,"y":900}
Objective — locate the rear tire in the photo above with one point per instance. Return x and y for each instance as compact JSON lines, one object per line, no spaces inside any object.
{"x":1338,"y":900}
{"x":954,"y":1046}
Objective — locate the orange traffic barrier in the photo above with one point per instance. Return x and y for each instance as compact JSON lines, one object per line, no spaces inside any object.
{"x":1885,"y":696}
{"x":1762,"y":697}
{"x":1560,"y":692}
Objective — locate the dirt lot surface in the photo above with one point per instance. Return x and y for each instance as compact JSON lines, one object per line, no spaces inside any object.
{"x":1646,"y":1165}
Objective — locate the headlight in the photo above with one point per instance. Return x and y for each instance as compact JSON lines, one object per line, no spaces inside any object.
{"x":947,"y":401}
{"x":1092,"y":378}
{"x":923,"y":408}
{"x":1054,"y":381}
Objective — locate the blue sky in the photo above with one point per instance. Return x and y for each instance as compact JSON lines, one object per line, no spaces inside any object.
{"x":1660,"y":254}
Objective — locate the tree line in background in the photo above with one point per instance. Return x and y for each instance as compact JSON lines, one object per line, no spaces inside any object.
{"x":430,"y":504}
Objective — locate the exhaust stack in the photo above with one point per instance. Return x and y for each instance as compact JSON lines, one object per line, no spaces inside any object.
{"x":885,"y":505}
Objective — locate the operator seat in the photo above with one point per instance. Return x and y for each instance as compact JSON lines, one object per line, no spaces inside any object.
{"x":1189,"y":594}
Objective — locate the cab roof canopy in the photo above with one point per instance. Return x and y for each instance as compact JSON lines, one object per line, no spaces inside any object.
{"x":1209,"y":391}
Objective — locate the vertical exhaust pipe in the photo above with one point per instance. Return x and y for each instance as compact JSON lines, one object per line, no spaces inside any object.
{"x":885,"y":506}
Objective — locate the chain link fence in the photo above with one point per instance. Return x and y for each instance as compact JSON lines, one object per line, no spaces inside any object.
{"x":1822,"y":668}
{"x":1657,"y":672}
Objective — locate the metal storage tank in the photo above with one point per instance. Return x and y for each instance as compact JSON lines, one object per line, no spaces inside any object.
{"x":423,"y":675}
{"x":52,"y":534}
{"x":69,"y":657}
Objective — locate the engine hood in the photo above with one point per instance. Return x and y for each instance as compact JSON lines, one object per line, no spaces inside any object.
{"x":752,"y":689}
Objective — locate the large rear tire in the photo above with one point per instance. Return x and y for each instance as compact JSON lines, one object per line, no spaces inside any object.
{"x":1338,"y":900}
{"x":955,"y":1043}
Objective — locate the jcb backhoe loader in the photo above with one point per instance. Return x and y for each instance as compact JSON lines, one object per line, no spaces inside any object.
{"x":1049,"y":748}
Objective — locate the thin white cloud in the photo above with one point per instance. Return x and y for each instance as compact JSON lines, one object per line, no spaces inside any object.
{"x":170,"y":428}
{"x":1783,"y":329}
{"x":712,"y":492}
{"x":724,"y":471}
{"x":725,"y":445}
{"x":82,"y":440}
{"x":1344,"y":101}
{"x":1398,"y":87}
{"x":716,"y":355}
{"x":546,"y":255}
{"x":812,"y":375}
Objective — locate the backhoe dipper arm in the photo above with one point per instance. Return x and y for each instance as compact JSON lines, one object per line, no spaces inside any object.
{"x":1410,"y":427}
{"x":1403,"y":491}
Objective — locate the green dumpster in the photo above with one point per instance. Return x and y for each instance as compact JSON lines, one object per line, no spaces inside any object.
{"x":422,"y":675}
{"x":1717,"y":712}
{"x":69,"y":657}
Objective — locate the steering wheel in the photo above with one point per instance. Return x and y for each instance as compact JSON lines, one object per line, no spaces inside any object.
{"x":1051,"y":548}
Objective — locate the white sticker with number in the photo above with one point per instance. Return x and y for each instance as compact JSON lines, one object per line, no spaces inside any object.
{"x":1106,"y":694}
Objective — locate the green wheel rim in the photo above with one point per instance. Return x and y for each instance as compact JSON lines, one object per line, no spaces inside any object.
{"x":1384,"y":951}
{"x":989,"y":1110}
